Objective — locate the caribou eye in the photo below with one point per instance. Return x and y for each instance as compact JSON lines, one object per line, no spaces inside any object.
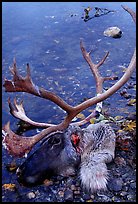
{"x":54,"y":141}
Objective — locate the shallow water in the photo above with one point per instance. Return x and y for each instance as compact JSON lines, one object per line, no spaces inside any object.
{"x":47,"y":36}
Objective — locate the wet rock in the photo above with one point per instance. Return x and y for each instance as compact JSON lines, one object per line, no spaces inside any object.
{"x":123,"y":193}
{"x":73,"y":187}
{"x":114,"y":32}
{"x":92,"y":196}
{"x":77,"y":192}
{"x":86,"y":197}
{"x":104,"y":198}
{"x":125,"y":188}
{"x":125,"y":175}
{"x":115,"y":184}
{"x":61,"y":193}
{"x":131,"y":116}
{"x":120,"y":161}
{"x":131,"y":197}
{"x":133,"y":185}
{"x":48,"y":182}
{"x":69,"y":182}
{"x":124,"y":91}
{"x":127,"y":96}
{"x":130,"y":85}
{"x":68,"y":195}
{"x":31,"y":195}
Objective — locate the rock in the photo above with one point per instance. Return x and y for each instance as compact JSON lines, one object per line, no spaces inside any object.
{"x":131,"y":116}
{"x":61,"y":193}
{"x":133,"y":185}
{"x":48,"y":182}
{"x":77,"y":192}
{"x":86,"y":197}
{"x":131,"y":197}
{"x":73,"y":187}
{"x":130,"y":85}
{"x":114,"y":32}
{"x":68,"y":195}
{"x":104,"y":198}
{"x":127,"y":96}
{"x":124,"y":91}
{"x":126,"y":175}
{"x":123,"y":193}
{"x":120,"y":161}
{"x":31,"y":195}
{"x":115,"y":184}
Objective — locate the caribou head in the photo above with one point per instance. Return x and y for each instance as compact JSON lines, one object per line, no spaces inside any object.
{"x":65,"y":146}
{"x":57,"y":155}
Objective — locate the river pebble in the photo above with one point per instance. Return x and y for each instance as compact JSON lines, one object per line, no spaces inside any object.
{"x":68,"y":195}
{"x":115,"y":184}
{"x":31,"y":195}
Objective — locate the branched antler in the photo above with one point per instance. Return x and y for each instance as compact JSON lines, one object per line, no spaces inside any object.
{"x":18,"y":145}
{"x":25,"y":84}
{"x":98,"y":79}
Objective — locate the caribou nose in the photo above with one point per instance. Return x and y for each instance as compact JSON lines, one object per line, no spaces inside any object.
{"x":18,"y":172}
{"x":29,"y":180}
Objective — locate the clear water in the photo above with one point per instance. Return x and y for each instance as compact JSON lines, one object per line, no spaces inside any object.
{"x":47,"y":36}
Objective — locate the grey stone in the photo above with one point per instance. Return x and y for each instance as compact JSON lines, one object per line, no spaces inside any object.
{"x":120,"y":161}
{"x":131,"y":197}
{"x":115,"y":184}
{"x":133,"y":185}
{"x":68,"y":195}
{"x":114,"y":32}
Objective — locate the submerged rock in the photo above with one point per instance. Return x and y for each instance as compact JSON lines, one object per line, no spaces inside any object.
{"x":114,"y":32}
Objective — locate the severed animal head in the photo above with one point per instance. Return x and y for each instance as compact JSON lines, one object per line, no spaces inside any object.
{"x":57,"y":155}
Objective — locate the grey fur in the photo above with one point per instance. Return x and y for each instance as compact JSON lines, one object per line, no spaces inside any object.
{"x":98,"y":149}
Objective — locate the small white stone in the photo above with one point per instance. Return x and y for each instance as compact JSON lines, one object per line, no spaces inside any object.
{"x":31,"y":195}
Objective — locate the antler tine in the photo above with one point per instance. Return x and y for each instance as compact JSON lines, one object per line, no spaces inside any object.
{"x":103,"y":59}
{"x":131,"y":12}
{"x":94,"y":68}
{"x":13,"y":69}
{"x":14,"y":141}
{"x":18,"y":112}
{"x":28,"y":70}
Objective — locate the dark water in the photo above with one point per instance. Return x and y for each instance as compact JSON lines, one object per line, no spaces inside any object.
{"x":47,"y":35}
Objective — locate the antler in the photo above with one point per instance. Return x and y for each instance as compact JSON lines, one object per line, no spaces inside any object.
{"x":18,"y":145}
{"x":18,"y":111}
{"x":25,"y":84}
